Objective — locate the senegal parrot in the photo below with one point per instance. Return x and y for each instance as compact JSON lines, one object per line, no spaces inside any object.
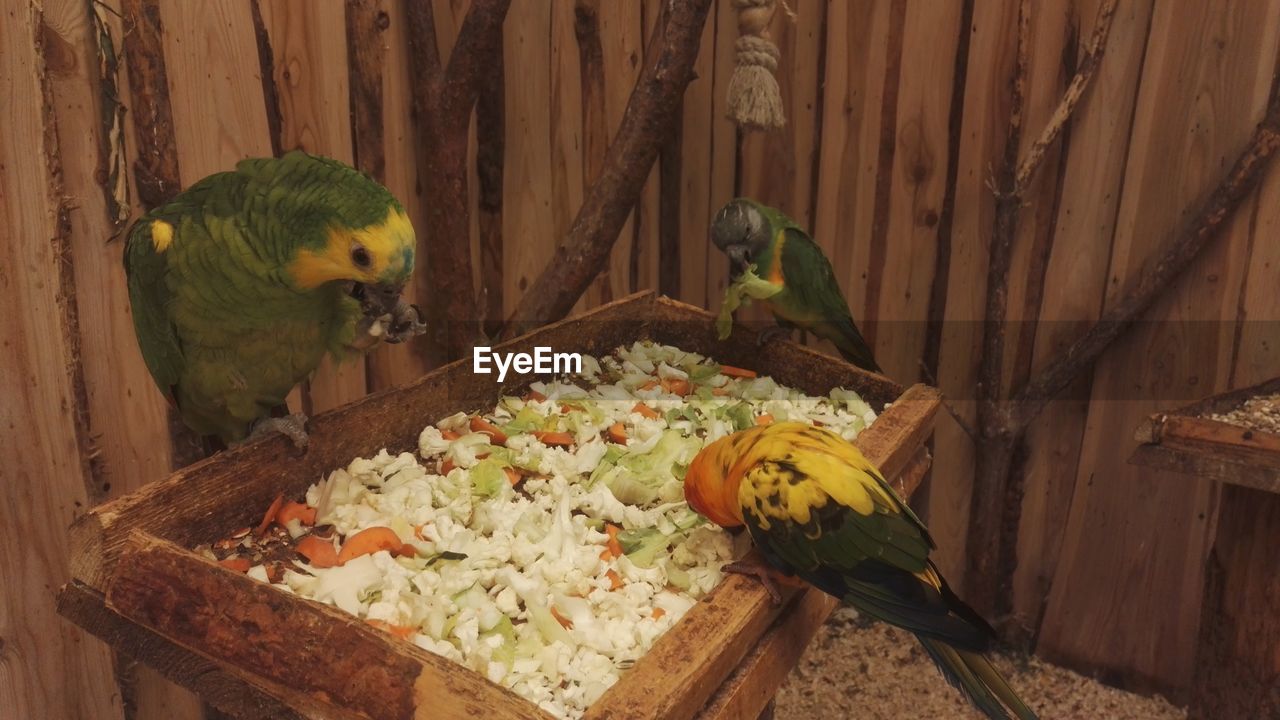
{"x":817,"y":510}
{"x":242,"y":283}
{"x":783,"y":253}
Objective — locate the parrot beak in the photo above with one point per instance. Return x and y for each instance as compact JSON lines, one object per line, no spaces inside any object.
{"x":737,"y":260}
{"x":377,"y":300}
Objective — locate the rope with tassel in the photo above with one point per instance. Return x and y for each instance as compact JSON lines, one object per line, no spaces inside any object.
{"x":755,"y":102}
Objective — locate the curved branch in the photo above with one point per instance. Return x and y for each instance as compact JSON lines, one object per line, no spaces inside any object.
{"x":651,"y":113}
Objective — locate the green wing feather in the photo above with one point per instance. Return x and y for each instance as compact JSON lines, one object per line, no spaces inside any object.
{"x":150,"y":298}
{"x":813,"y":295}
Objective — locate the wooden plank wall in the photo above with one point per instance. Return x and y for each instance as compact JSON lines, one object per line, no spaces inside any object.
{"x":897,"y":111}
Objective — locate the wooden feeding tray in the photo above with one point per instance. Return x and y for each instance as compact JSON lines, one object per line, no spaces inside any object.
{"x":1237,"y":672}
{"x":1187,"y":440}
{"x":256,"y":652}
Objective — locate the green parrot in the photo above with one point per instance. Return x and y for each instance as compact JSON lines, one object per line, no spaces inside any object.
{"x":241,"y":284}
{"x":754,"y":234}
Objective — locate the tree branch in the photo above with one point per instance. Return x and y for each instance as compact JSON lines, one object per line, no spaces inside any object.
{"x":1170,"y":261}
{"x":650,"y":115}
{"x":1075,"y":91}
{"x":443,"y":97}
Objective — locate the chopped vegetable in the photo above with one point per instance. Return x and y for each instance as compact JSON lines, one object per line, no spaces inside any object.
{"x":239,"y":564}
{"x":317,"y":551}
{"x":301,"y":512}
{"x":676,"y":386}
{"x":740,"y":292}
{"x":736,"y":372}
{"x":479,"y":424}
{"x":547,"y":437}
{"x":658,"y":613}
{"x":565,"y":622}
{"x":615,"y":580}
{"x":513,"y":476}
{"x":368,"y":541}
{"x":271,"y":514}
{"x":400,"y":631}
{"x":764,"y":419}
{"x":618,"y":433}
{"x":646,"y":411}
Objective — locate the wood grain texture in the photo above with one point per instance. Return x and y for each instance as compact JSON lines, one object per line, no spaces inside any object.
{"x":982,"y":132}
{"x":48,"y":668}
{"x":310,"y":75}
{"x":1171,"y":159}
{"x":1074,"y":283}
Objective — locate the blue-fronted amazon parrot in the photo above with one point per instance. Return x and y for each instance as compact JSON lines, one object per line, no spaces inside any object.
{"x":818,"y":510}
{"x":784,"y":255}
{"x":242,"y":283}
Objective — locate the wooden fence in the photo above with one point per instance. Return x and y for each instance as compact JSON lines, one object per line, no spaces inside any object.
{"x":897,"y":111}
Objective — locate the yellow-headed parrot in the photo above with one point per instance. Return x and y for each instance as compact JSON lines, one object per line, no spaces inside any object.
{"x":817,"y":510}
{"x":243,"y":282}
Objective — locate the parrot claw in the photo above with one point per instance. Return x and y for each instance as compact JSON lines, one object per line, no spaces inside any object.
{"x":763,"y":573}
{"x":291,"y":426}
{"x":774,"y":332}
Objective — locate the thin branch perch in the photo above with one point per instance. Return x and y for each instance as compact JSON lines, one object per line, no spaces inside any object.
{"x":990,"y":545}
{"x":443,"y":97}
{"x":651,"y":113}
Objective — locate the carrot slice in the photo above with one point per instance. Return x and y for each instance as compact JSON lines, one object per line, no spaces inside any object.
{"x":368,"y":541}
{"x":677,"y":386}
{"x":615,"y":547}
{"x":649,"y":385}
{"x":400,"y":631}
{"x":535,"y":396}
{"x":565,"y":622}
{"x":513,"y":476}
{"x":658,"y":613}
{"x":737,"y":372}
{"x":449,"y":435}
{"x":615,"y":580}
{"x":479,"y":424}
{"x":447,"y":466}
{"x":271,"y":514}
{"x":566,"y":408}
{"x":618,"y":433}
{"x":301,"y":512}
{"x":239,"y":564}
{"x":764,"y":419}
{"x":720,"y":392}
{"x":318,"y":551}
{"x":547,"y":437}
{"x":606,"y":555}
{"x":646,"y":411}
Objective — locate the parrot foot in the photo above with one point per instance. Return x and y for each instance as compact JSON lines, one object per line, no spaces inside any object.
{"x":767,"y":576}
{"x":774,"y":332}
{"x":291,"y":426}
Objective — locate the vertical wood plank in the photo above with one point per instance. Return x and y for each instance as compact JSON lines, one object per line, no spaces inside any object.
{"x":900,"y":276}
{"x":695,"y":166}
{"x":1104,"y":609}
{"x":309,"y":52}
{"x":397,"y":364}
{"x":48,"y":668}
{"x":528,"y":224}
{"x":128,"y":418}
{"x":723,"y":143}
{"x":857,"y":52}
{"x":984,"y":122}
{"x":1074,"y":284}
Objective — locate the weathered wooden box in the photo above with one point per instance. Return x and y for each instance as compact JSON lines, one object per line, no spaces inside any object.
{"x":256,"y":652}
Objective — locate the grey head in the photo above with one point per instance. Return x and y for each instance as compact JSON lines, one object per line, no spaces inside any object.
{"x":741,"y":231}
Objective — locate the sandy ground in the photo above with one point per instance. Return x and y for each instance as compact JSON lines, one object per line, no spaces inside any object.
{"x":871,"y":671}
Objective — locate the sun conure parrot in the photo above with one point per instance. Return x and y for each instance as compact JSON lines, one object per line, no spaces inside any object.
{"x":242,"y":283}
{"x":783,"y":254}
{"x":817,"y":510}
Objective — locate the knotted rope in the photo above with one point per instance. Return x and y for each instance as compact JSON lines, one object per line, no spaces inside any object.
{"x":755,"y":102}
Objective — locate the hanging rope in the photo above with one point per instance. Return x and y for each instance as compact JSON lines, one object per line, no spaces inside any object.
{"x":755,"y":102}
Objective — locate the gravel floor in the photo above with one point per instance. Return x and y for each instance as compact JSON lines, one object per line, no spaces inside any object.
{"x":871,"y":671}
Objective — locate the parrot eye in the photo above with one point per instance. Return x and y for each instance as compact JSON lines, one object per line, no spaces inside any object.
{"x":360,"y":256}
